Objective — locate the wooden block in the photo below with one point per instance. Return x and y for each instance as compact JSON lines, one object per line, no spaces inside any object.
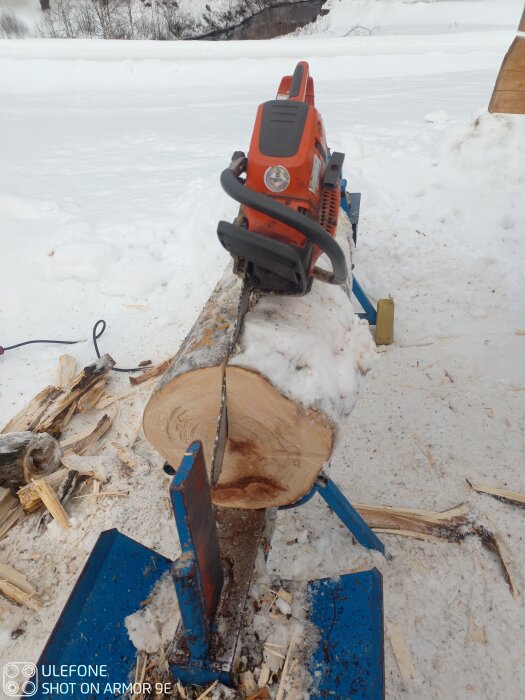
{"x":385,"y":322}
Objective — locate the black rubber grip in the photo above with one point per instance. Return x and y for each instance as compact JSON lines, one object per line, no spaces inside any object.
{"x":301,"y":223}
{"x":297,"y":79}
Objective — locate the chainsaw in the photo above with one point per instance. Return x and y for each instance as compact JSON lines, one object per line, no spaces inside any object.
{"x":289,"y":189}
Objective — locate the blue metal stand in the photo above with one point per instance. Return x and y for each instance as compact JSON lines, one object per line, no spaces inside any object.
{"x":341,"y":506}
{"x":350,"y":204}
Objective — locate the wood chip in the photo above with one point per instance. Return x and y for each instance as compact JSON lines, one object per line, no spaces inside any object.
{"x":401,"y":653}
{"x":51,"y":502}
{"x":18,"y":596}
{"x":494,"y":542}
{"x":152,"y":373}
{"x":208,"y":690}
{"x":513,"y":497}
{"x":101,"y":494}
{"x":272,"y":652}
{"x":126,"y":455}
{"x":107,"y":399}
{"x":284,"y":595}
{"x":66,"y":370}
{"x":264,"y":675}
{"x":282,"y":682}
{"x":83,"y":443}
{"x":408,"y":533}
{"x":90,"y":399}
{"x":248,"y":681}
{"x":261,"y":694}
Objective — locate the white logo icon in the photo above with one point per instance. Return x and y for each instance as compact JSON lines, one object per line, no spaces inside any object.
{"x":20,"y":679}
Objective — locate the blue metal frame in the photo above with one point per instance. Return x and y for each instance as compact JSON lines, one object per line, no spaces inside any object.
{"x":349,"y":658}
{"x":352,"y":211}
{"x":341,"y":506}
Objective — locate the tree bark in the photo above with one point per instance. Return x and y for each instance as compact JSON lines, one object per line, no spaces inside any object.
{"x":24,"y":456}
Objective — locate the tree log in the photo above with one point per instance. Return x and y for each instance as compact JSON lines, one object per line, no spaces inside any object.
{"x":291,"y":376}
{"x":24,"y":456}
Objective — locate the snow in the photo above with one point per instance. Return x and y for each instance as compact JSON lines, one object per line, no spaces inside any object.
{"x":288,"y":340}
{"x":109,"y":199}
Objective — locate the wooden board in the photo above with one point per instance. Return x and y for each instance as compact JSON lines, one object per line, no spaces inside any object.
{"x":509,"y":92}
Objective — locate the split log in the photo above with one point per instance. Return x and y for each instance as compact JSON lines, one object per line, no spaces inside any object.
{"x":24,"y":456}
{"x":290,"y":377}
{"x":29,"y":417}
{"x":81,"y":384}
{"x":51,"y":409}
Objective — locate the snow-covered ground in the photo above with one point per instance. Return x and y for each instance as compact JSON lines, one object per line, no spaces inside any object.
{"x":109,"y":199}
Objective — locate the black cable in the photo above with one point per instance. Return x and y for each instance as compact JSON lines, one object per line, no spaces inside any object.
{"x":95,"y":335}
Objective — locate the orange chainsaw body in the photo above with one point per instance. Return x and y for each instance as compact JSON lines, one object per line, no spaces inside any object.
{"x":306,"y":167}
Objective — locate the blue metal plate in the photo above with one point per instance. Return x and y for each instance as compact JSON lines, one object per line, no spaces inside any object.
{"x":348,"y":662}
{"x":118,"y":576}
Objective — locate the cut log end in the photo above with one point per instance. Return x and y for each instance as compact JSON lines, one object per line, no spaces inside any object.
{"x":275,"y":447}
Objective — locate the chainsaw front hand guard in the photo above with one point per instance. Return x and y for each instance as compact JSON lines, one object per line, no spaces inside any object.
{"x":310,"y":229}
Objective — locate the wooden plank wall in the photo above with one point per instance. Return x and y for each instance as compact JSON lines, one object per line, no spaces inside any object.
{"x":509,"y":90}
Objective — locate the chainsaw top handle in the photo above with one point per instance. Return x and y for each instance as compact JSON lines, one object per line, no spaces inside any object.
{"x":270,"y":207}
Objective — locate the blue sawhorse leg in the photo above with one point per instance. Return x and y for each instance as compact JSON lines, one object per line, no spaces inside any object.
{"x":341,"y":506}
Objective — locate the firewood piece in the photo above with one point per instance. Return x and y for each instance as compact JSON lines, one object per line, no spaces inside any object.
{"x":261,"y":694}
{"x":29,"y":417}
{"x":18,"y":596}
{"x":448,"y":524}
{"x":63,"y":492}
{"x":67,"y":367}
{"x":88,"y":400}
{"x":10,"y":511}
{"x":27,"y":455}
{"x":512,"y":497}
{"x":81,"y":445}
{"x":151,"y":373}
{"x":82,"y":383}
{"x":30,"y":498}
{"x":52,"y":503}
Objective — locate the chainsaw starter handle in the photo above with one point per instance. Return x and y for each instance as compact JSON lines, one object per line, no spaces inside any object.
{"x":301,"y":223}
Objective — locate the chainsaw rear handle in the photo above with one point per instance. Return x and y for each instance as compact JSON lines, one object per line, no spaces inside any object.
{"x":276,"y":210}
